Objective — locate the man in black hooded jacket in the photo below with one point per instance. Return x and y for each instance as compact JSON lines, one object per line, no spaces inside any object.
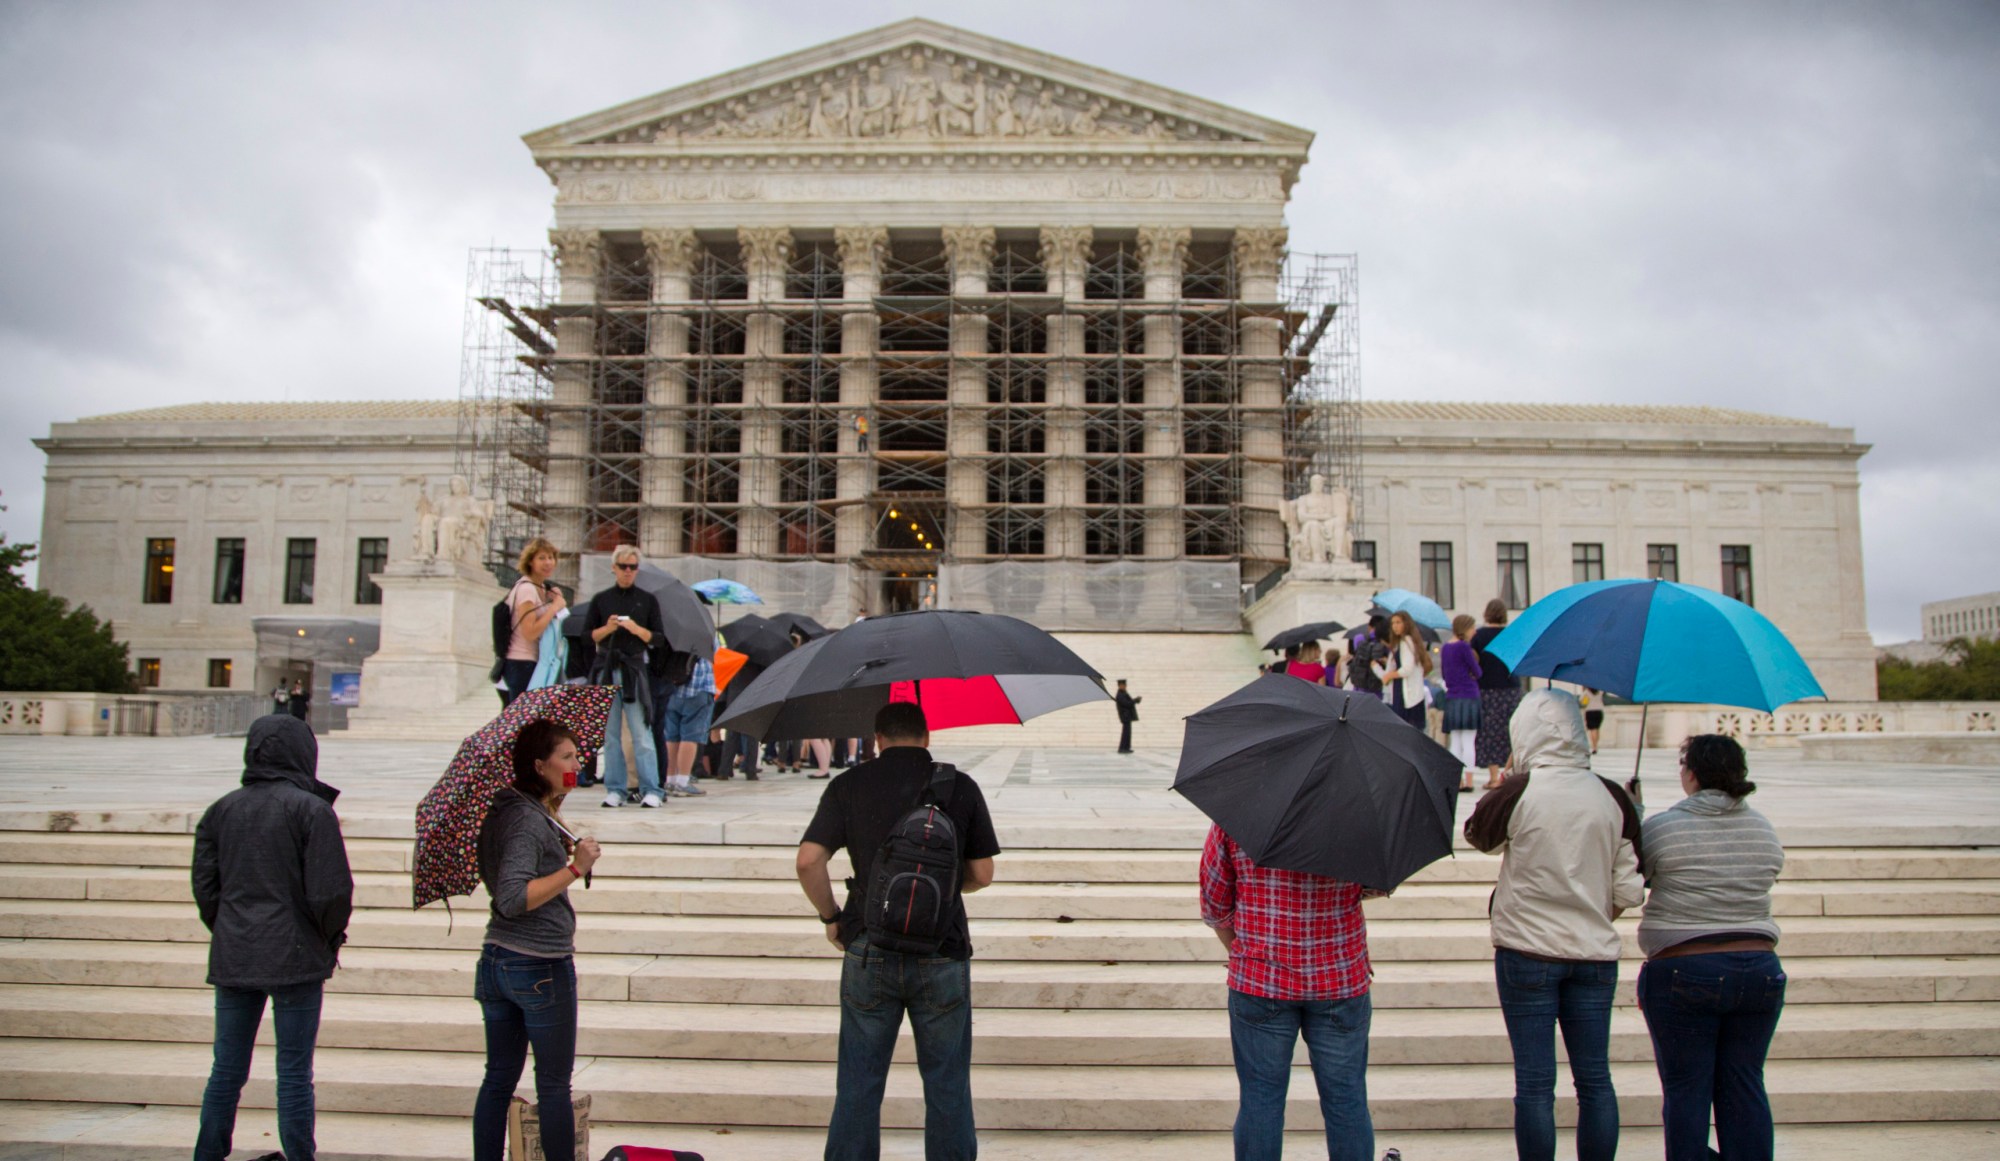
{"x":272,"y":884}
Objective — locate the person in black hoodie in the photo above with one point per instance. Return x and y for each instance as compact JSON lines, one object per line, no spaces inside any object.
{"x":273,"y":888}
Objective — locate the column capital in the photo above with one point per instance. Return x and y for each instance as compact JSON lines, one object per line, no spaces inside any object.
{"x":579,"y":253}
{"x":1065,"y":258}
{"x":862,"y":248}
{"x":1259,"y":250}
{"x":670,"y":251}
{"x":969,"y":245}
{"x":1164,"y":248}
{"x":766,"y":248}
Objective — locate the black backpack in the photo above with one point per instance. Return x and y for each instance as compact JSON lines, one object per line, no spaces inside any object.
{"x":503,"y":628}
{"x":671,"y":668}
{"x":912,"y":902}
{"x":1361,"y":652}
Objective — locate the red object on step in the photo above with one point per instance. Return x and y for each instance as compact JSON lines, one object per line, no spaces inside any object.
{"x":642,"y":1153}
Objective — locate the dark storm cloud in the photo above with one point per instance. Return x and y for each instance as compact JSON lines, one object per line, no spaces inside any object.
{"x":1785,"y":207}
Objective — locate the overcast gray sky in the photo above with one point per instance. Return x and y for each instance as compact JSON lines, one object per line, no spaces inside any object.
{"x":1792,"y":208}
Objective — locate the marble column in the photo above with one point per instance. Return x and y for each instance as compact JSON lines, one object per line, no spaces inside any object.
{"x":1162,"y":255}
{"x":1065,"y":257}
{"x":862,"y":250}
{"x":767,"y":253}
{"x":1259,"y":251}
{"x":579,"y":260}
{"x":670,"y":256}
{"x":970,"y":250}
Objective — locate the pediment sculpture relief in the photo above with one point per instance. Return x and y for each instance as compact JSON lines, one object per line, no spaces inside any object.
{"x":918,"y":96}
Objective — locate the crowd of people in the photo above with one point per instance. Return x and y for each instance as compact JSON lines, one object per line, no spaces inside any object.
{"x":271,"y":881}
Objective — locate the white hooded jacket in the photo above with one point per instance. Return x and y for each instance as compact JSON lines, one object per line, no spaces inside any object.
{"x":1567,"y":836}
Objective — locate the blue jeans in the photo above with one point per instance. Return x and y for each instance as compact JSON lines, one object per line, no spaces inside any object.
{"x":525,"y":999}
{"x":876,"y":988}
{"x":517,"y":675}
{"x":1264,"y":1035}
{"x":238,"y":1012}
{"x":634,"y":716}
{"x":1711,"y":1018}
{"x":1535,"y":996}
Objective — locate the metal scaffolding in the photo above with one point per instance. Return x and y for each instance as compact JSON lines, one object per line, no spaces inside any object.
{"x":945,"y":418}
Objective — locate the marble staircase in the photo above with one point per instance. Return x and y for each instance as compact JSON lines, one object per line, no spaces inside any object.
{"x":708,"y":1018}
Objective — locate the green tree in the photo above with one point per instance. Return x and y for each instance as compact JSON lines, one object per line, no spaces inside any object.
{"x":1970,"y":671}
{"x":47,"y":646}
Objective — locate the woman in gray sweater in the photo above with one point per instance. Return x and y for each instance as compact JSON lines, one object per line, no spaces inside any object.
{"x":1712,"y":987}
{"x":526,"y":986}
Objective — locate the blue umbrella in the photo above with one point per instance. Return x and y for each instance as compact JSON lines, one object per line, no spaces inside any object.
{"x":726,"y":592}
{"x":1421,"y":608}
{"x":1650,"y":640}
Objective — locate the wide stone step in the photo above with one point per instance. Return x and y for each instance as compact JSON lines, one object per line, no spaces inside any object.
{"x":1001,"y":1035}
{"x":1018,"y":939}
{"x":123,"y":1132}
{"x":995,"y":983}
{"x":1122,"y":1098}
{"x":1005,"y":900}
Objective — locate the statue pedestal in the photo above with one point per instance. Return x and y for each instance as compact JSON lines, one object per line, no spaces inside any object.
{"x":1340,"y":591}
{"x":437,"y":638}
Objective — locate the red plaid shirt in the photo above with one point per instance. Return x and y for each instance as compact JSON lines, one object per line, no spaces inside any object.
{"x":1298,"y":936}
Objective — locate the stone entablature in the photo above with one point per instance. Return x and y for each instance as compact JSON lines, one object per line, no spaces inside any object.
{"x":921,"y":114}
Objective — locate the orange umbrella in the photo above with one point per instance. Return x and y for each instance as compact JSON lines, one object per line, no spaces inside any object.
{"x":728,"y":662}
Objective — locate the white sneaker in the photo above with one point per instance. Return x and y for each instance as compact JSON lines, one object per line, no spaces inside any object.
{"x":650,"y":800}
{"x":614,"y":800}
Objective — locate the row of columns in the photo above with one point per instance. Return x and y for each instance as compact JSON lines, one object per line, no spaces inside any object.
{"x":673,"y":255}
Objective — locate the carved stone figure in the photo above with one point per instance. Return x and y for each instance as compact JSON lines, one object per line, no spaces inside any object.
{"x":462,"y":522}
{"x":1085,"y":123}
{"x":1317,"y":524}
{"x":916,"y":111}
{"x":1005,"y":121}
{"x":873,"y":112}
{"x":795,"y":119}
{"x":959,"y":112}
{"x":424,"y":544}
{"x":830,"y":113}
{"x":1046,"y":117}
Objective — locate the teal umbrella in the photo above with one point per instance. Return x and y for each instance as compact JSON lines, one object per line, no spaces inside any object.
{"x":1420,"y":608}
{"x":727,"y":592}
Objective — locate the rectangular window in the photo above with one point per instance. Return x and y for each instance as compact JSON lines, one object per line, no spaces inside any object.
{"x":220,"y":670}
{"x":1364,"y":553}
{"x":1435,"y":572}
{"x":1663,"y":562}
{"x":301,"y":559}
{"x":1513,"y":561}
{"x":149,"y":673}
{"x":1736,"y":572}
{"x":159,"y":571}
{"x":228,"y":571}
{"x":370,"y":557}
{"x":1586,"y":562}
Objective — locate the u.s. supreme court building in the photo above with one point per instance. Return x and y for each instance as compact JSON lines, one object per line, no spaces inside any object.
{"x":916,"y":318}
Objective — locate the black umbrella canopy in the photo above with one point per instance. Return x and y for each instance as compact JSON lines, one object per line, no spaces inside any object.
{"x":1302,"y":634}
{"x":757,"y":638}
{"x":831,"y":688}
{"x":1324,"y":781}
{"x":799,"y":624}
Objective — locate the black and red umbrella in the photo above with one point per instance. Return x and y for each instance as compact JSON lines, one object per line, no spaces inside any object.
{"x":449,"y":817}
{"x":964,"y":669}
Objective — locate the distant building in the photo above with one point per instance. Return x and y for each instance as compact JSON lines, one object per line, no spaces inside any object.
{"x":1976,"y":618}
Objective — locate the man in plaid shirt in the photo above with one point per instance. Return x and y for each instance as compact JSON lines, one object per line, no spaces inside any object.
{"x":682,"y":721}
{"x":1298,"y":964}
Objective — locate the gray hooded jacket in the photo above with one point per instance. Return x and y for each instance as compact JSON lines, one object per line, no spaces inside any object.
{"x":270,"y":869}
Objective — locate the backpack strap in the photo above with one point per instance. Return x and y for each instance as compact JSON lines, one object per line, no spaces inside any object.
{"x":944,"y":781}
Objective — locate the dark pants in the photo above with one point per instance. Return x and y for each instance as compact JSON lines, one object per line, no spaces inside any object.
{"x":1264,"y":1034}
{"x":238,"y":1012}
{"x":1536,"y":996}
{"x":1711,"y":1018}
{"x":741,"y":750}
{"x":517,"y":675}
{"x":1124,"y":737}
{"x":876,"y":988}
{"x":526,"y":1000}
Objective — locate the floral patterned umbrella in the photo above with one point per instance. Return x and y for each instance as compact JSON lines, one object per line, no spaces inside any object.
{"x":449,"y":817}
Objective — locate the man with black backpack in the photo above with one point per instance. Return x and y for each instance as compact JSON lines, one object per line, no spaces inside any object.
{"x":919,"y":836}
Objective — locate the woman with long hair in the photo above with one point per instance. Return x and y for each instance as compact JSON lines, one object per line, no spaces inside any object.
{"x":1403,"y":668}
{"x":526,"y":983}
{"x":1499,"y":693}
{"x":1712,"y":988}
{"x":533,"y":602}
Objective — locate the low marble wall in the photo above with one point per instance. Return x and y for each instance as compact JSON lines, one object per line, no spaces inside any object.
{"x":1966,"y":749}
{"x":1792,"y":724}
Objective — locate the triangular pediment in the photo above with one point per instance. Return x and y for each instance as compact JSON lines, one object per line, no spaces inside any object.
{"x":909,"y":82}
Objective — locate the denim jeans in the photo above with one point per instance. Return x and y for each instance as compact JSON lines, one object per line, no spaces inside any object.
{"x":1535,"y":996}
{"x":876,"y":988}
{"x":646,"y":758}
{"x":517,"y":675}
{"x":525,"y":999}
{"x":1711,"y":1018}
{"x":1264,"y":1035}
{"x":238,"y":1012}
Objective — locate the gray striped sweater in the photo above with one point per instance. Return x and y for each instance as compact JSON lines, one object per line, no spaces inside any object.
{"x":1710,"y":862}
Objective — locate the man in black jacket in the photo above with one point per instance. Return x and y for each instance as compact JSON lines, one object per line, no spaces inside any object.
{"x":1128,"y":712}
{"x":272,"y":885}
{"x":622,"y":623}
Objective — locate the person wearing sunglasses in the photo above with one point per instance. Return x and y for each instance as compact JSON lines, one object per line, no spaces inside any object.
{"x":622,"y":621}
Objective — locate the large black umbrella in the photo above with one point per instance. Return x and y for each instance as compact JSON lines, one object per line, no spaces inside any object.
{"x":803,"y":626}
{"x":1326,"y":781}
{"x":1304,"y":634}
{"x":758,"y":639}
{"x":683,"y":614}
{"x":962,"y":668}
